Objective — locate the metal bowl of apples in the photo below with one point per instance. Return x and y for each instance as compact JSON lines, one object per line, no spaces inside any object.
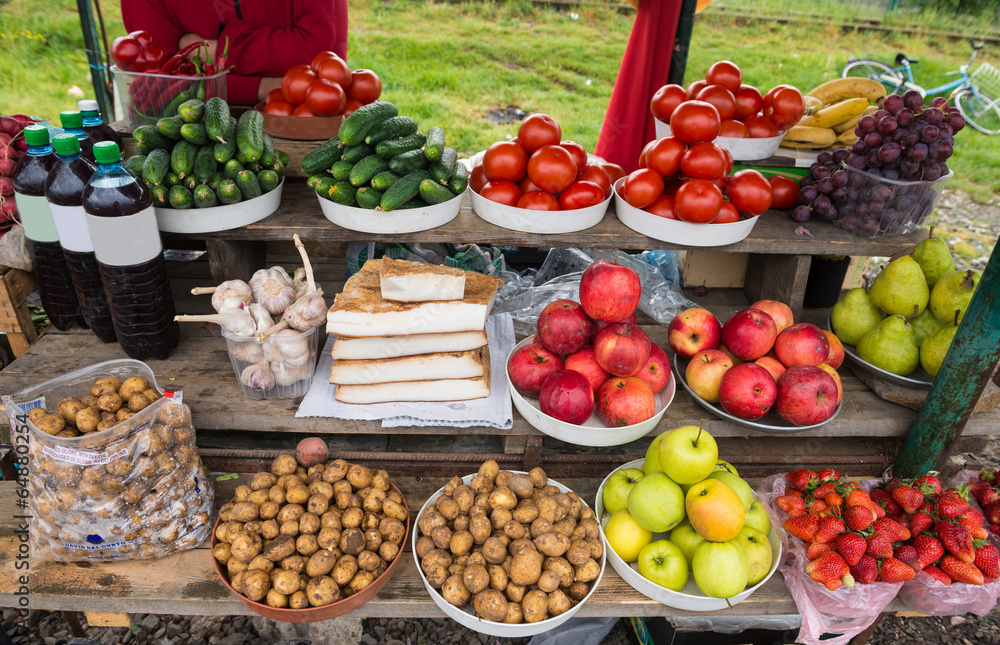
{"x":592,"y":431}
{"x":690,"y":597}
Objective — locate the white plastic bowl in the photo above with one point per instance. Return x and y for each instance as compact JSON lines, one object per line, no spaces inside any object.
{"x":742,"y":149}
{"x":410,"y":220}
{"x":531,"y":221}
{"x":690,"y":598}
{"x":592,"y":432}
{"x":218,"y":218}
{"x":466,"y":616}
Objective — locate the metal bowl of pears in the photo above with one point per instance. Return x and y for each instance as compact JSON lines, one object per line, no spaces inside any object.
{"x":918,"y":378}
{"x":688,"y":595}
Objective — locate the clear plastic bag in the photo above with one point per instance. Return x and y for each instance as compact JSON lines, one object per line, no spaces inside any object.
{"x":134,"y":491}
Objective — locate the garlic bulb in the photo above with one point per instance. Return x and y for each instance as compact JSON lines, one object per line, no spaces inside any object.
{"x":288,"y":347}
{"x":286,"y":375}
{"x":300,"y":284}
{"x":232,"y":317}
{"x":308,"y":311}
{"x":258,"y":376}
{"x":246,"y":351}
{"x":260,"y":316}
{"x":228,"y":289}
{"x":272,"y":288}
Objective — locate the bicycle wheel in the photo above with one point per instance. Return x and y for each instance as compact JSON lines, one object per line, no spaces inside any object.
{"x":866,"y":68}
{"x":979,"y":111}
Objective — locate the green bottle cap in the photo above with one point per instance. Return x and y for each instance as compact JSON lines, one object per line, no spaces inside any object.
{"x":107,"y":152}
{"x":71,"y":119}
{"x":36,"y":135}
{"x":66,"y":144}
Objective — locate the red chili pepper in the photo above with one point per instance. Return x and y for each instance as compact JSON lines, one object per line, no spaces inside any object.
{"x":209,"y":69}
{"x":222,"y":60}
{"x":180,"y":57}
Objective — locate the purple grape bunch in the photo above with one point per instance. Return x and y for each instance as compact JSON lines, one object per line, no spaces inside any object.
{"x":903,"y":141}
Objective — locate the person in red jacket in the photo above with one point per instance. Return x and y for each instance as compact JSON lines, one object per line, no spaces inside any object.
{"x":265,"y":37}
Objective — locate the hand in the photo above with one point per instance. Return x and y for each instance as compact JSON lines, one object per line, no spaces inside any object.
{"x":189,"y":38}
{"x":267,"y":84}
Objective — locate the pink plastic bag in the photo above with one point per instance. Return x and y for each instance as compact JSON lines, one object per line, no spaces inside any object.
{"x":847,"y":612}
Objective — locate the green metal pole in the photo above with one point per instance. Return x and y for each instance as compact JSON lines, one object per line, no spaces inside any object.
{"x":682,"y":42}
{"x":98,"y":71}
{"x":965,"y":372}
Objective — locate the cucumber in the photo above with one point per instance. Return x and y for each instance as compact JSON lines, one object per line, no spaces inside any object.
{"x":314,"y":180}
{"x":195,"y":133}
{"x":134,"y":164}
{"x":368,"y":197}
{"x":341,"y":170}
{"x":232,"y":168}
{"x":180,"y":197}
{"x":342,"y":192}
{"x":434,"y":193}
{"x":321,"y":158}
{"x":156,"y":166}
{"x":225,"y":151}
{"x":268,"y":180}
{"x":242,"y":158}
{"x":323,"y":186}
{"x":191,"y":111}
{"x":150,"y":137}
{"x":204,"y":163}
{"x":250,"y":134}
{"x":170,"y":127}
{"x":189,"y":182}
{"x":182,"y":158}
{"x":442,"y":168}
{"x":403,"y":190}
{"x":171,"y":179}
{"x":248,"y":184}
{"x":283,"y":158}
{"x":383,"y":180}
{"x":413,"y":203}
{"x":267,"y":159}
{"x":435,"y":143}
{"x":354,"y":154}
{"x":459,"y":179}
{"x":217,"y":120}
{"x":204,"y":196}
{"x":408,"y":162}
{"x":228,"y":192}
{"x":394,"y":147}
{"x":394,"y":128}
{"x":356,"y":127}
{"x":143,"y":148}
{"x":213,"y":183}
{"x":364,"y":170}
{"x":161,"y":196}
{"x":254,"y":167}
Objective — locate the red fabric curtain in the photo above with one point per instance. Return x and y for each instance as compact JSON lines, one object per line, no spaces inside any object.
{"x":628,"y":124}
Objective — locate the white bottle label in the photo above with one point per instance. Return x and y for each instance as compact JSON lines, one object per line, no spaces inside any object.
{"x":71,"y":224}
{"x":36,"y":217}
{"x":126,"y":240}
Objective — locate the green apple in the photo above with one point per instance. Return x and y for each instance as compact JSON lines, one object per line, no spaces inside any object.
{"x":757,"y":549}
{"x":741,"y":487}
{"x":626,"y":536}
{"x":652,"y":462}
{"x":686,"y":539}
{"x":720,"y":568}
{"x":688,"y":454}
{"x":663,"y":563}
{"x":721,"y":465}
{"x":656,"y":503}
{"x":756,"y":518}
{"x":619,"y":485}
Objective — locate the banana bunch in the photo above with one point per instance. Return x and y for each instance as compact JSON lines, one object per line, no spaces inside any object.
{"x":832,"y":111}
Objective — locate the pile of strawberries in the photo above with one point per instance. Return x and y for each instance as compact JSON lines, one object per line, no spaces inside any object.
{"x":899,"y":529}
{"x":987,"y":493}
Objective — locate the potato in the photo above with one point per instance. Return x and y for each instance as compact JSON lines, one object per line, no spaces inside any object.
{"x":588,"y":571}
{"x":352,"y":541}
{"x":359,"y":476}
{"x":388,"y":551}
{"x":269,"y":529}
{"x":68,"y":409}
{"x":490,"y":605}
{"x":306,"y":544}
{"x":437,"y":556}
{"x":535,"y":606}
{"x":547,"y":509}
{"x":222,"y":552}
{"x":489,"y":469}
{"x":521,"y":486}
{"x":578,"y":591}
{"x":133,"y":385}
{"x":290,"y":513}
{"x":234,"y":566}
{"x":373,"y":540}
{"x":436,"y":575}
{"x":563,"y":568}
{"x":245,"y":546}
{"x":309,"y":524}
{"x":351,"y":518}
{"x":494,"y":550}
{"x":283,"y":465}
{"x":256,"y":584}
{"x":370,"y":521}
{"x":275,"y":599}
{"x":36,"y":413}
{"x":559,"y":602}
{"x":475,"y":578}
{"x":311,"y":451}
{"x":106,"y":384}
{"x":442,"y":537}
{"x":108,"y":417}
{"x":331,"y":519}
{"x":395,"y":509}
{"x":519,"y":546}
{"x":430,"y":520}
{"x":499,"y":517}
{"x":373,"y":501}
{"x":514,"y":614}
{"x":291,"y":479}
{"x":322,"y":590}
{"x":464,"y":497}
{"x":480,"y":485}
{"x":567,"y":527}
{"x":289,"y":528}
{"x":262,"y":563}
{"x":392,"y":530}
{"x":502,"y":478}
{"x":151,"y":394}
{"x":461,"y":542}
{"x":380,"y":481}
{"x":245,"y":512}
{"x":476,"y":557}
{"x":503,"y":498}
{"x":447,"y":507}
{"x":424,"y":546}
{"x":297,"y":494}
{"x":359,"y":582}
{"x":68,"y":432}
{"x":285,"y":582}
{"x":514,"y":593}
{"x":135,"y":403}
{"x":298,"y":600}
{"x":111,"y":402}
{"x":368,"y":561}
{"x":578,"y":553}
{"x":526,"y":512}
{"x":280,"y":548}
{"x":596,"y":547}
{"x":514,"y":530}
{"x":480,"y":528}
{"x":51,"y":424}
{"x":335,"y":471}
{"x":87,"y":419}
{"x":539,"y":527}
{"x":526,"y":567}
{"x":320,"y":563}
{"x":454,"y":591}
{"x":344,"y":569}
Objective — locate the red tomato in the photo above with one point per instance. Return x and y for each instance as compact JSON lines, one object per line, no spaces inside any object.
{"x":298,"y":68}
{"x":664,"y":155}
{"x":125,"y":52}
{"x":279,"y":107}
{"x":769,"y":97}
{"x":597,"y":175}
{"x":734,"y":129}
{"x":578,"y":152}
{"x":274,"y":95}
{"x":748,"y":101}
{"x":552,"y":168}
{"x":319,"y":58}
{"x":296,"y":83}
{"x":785,"y":107}
{"x":749,"y":192}
{"x":721,"y":98}
{"x":334,"y":70}
{"x":155,"y":56}
{"x":695,"y":121}
{"x":698,"y":201}
{"x":478,"y":178}
{"x":365,"y":86}
{"x":505,"y":160}
{"x":325,"y":98}
{"x":729,"y":162}
{"x":760,"y":127}
{"x":704,"y":161}
{"x":350,"y":107}
{"x":526,"y":186}
{"x":642,"y":187}
{"x":666,"y":100}
{"x":615,"y":171}
{"x":303,"y":110}
{"x":501,"y":191}
{"x":538,"y":200}
{"x":784,"y":192}
{"x":538,"y":130}
{"x":726,"y":74}
{"x":663,"y":207}
{"x":727,"y":214}
{"x":644,"y":152}
{"x":143,"y":37}
{"x":694,"y":88}
{"x":581,"y":194}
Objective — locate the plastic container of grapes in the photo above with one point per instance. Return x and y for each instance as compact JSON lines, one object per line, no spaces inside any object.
{"x":742,"y":149}
{"x":880,"y":207}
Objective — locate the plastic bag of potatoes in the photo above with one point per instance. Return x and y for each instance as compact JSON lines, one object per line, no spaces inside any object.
{"x":112,"y":468}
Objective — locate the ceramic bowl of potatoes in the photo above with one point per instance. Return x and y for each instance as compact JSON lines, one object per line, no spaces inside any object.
{"x":508,"y":553}
{"x":301,"y":544}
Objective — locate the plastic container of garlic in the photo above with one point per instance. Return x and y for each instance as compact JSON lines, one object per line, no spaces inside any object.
{"x":279,"y":368}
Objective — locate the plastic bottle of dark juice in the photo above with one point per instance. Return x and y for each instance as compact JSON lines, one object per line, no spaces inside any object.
{"x":64,"y":191}
{"x":51,"y":273}
{"x":122,"y":224}
{"x":97,"y":130}
{"x":72,"y":122}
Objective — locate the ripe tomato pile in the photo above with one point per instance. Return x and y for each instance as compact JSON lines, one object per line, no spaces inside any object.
{"x":538,"y":170}
{"x":325,"y":87}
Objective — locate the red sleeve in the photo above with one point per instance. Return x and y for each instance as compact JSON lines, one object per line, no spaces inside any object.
{"x":154,"y":17}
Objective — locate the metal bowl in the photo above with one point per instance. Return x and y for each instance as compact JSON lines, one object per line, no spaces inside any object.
{"x":918,"y":378}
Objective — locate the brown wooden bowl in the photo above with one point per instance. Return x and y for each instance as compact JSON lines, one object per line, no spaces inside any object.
{"x":300,"y":128}
{"x":334,"y":609}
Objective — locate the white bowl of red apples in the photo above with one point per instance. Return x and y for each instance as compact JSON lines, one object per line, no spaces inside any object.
{"x":590,"y":376}
{"x":759,"y":369}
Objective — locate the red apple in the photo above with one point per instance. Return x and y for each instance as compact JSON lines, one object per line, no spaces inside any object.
{"x":692,"y":331}
{"x":772,"y":365}
{"x":836,"y":357}
{"x":806,"y":395}
{"x":529,"y":366}
{"x":749,"y":334}
{"x":566,"y":395}
{"x":563,"y":327}
{"x":622,"y":349}
{"x":625,"y":401}
{"x":609,"y":291}
{"x":601,"y":324}
{"x":704,"y":373}
{"x":585,"y":363}
{"x":801,"y":344}
{"x":656,"y":372}
{"x":826,"y":367}
{"x":778,"y":311}
{"x":747,"y":391}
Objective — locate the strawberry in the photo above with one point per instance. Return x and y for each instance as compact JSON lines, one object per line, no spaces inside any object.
{"x":818,"y":507}
{"x":993,"y":512}
{"x":994,"y":529}
{"x":861,"y":498}
{"x":851,"y":547}
{"x":908,"y":554}
{"x":890,"y":485}
{"x":858,"y":518}
{"x":990,"y":496}
{"x":803,"y":527}
{"x":866,"y":570}
{"x":892,"y":507}
{"x":800,"y":478}
{"x":938,"y":574}
{"x":978,"y":488}
{"x":879,"y":495}
{"x":950,"y":506}
{"x":893,"y":570}
{"x":824,"y":489}
{"x":988,"y":561}
{"x":930,"y":484}
{"x":880,"y":546}
{"x":817,"y":549}
{"x":831,"y":570}
{"x":829,"y":528}
{"x":826,"y":474}
{"x":920,"y":522}
{"x":792,"y":505}
{"x":929,"y":550}
{"x":908,"y":497}
{"x":973,"y":520}
{"x":961,"y":571}
{"x":896,"y":531}
{"x":957,"y":540}
{"x":833,"y":498}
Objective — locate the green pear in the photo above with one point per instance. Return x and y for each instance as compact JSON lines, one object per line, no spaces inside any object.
{"x":934,"y":348}
{"x":854,"y":316}
{"x":890,"y":346}
{"x":934,"y":258}
{"x":899,"y":287}
{"x":952,"y":293}
{"x":924,"y":326}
